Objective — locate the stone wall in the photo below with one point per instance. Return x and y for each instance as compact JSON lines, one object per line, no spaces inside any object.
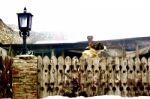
{"x":24,"y":77}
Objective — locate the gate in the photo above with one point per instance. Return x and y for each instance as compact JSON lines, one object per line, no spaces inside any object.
{"x":5,"y":76}
{"x":93,"y":77}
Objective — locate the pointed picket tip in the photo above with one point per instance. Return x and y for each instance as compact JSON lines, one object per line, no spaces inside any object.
{"x":130,"y":61}
{"x":109,"y":60}
{"x":124,"y":63}
{"x":75,"y":60}
{"x":53,"y":61}
{"x":144,"y":61}
{"x":143,"y":58}
{"x":67,"y":60}
{"x":61,"y":60}
{"x":82,"y":63}
{"x":39,"y":61}
{"x":82,"y":59}
{"x":137,"y":60}
{"x":117,"y":60}
{"x":103,"y":63}
{"x":96,"y":61}
{"x":137,"y":64}
{"x":61,"y":64}
{"x":46,"y":61}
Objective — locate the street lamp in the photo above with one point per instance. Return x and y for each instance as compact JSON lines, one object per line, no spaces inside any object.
{"x":24,"y":24}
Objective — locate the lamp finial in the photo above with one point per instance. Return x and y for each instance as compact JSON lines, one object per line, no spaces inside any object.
{"x":25,"y":9}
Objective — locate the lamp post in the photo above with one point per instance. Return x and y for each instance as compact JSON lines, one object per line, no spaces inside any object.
{"x":24,"y":24}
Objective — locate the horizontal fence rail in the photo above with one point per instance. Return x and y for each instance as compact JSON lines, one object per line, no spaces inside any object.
{"x":93,"y":76}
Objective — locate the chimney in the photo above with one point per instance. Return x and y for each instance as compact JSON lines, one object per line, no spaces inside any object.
{"x":90,"y":40}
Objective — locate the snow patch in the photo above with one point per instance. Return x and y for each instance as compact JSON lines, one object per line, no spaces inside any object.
{"x":97,"y":97}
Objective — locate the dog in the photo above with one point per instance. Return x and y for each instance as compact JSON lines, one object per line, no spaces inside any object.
{"x":94,"y":50}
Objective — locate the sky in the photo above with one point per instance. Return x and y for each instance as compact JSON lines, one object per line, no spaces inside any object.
{"x":76,"y":19}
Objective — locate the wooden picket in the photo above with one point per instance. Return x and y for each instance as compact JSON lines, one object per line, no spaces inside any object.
{"x":54,"y":76}
{"x":130,"y":77}
{"x":103,"y":77}
{"x":117,"y":76}
{"x":40,"y":72}
{"x":122,"y":76}
{"x":96,"y":76}
{"x":144,"y":75}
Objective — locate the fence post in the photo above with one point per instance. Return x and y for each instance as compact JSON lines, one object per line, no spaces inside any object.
{"x":24,"y":77}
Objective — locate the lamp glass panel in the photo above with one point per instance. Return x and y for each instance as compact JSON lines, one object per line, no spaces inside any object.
{"x":30,"y":21}
{"x":23,"y":21}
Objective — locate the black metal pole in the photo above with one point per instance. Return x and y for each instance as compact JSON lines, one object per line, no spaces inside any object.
{"x":24,"y":43}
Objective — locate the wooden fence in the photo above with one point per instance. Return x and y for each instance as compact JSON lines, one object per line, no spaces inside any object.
{"x":5,"y":75}
{"x":87,"y":77}
{"x":93,"y":76}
